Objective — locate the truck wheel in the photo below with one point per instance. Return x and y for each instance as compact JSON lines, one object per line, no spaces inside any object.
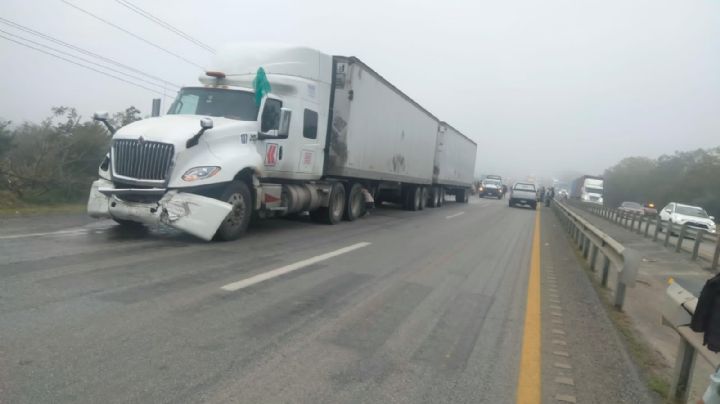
{"x":423,"y":197}
{"x":415,"y":196}
{"x":333,"y":213}
{"x":441,"y":197}
{"x":461,"y":196}
{"x":238,"y":195}
{"x":355,"y":202}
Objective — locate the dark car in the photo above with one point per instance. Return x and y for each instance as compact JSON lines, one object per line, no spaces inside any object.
{"x":490,"y":187}
{"x":631,"y":207}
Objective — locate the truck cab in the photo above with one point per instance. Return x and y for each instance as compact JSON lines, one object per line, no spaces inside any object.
{"x":225,"y":148}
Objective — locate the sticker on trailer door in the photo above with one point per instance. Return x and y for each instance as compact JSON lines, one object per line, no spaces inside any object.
{"x":306,"y":161}
{"x":271,"y":154}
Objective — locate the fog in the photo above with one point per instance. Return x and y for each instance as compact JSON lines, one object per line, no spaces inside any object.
{"x":545,"y":88}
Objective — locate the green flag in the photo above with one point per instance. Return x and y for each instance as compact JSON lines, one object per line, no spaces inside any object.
{"x":261,"y":85}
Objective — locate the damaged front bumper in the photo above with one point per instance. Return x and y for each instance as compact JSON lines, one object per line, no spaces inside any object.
{"x":194,"y":214}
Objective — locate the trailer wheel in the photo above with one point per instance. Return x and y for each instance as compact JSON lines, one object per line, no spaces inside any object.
{"x":461,"y":196}
{"x":238,"y":195}
{"x":415,"y":197}
{"x":333,"y":213}
{"x":441,"y":197}
{"x":423,"y":197}
{"x":432,"y":198}
{"x":355,"y":202}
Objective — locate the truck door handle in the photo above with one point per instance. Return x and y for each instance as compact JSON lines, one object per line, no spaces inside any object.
{"x":280,"y":153}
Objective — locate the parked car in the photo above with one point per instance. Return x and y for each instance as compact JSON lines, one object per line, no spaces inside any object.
{"x":523,"y":193}
{"x":631,"y":207}
{"x":694,"y":216}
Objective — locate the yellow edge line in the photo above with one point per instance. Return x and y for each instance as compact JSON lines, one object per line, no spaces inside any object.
{"x":529,"y":378}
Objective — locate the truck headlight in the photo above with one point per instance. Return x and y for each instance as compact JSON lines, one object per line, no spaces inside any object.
{"x":200,"y":173}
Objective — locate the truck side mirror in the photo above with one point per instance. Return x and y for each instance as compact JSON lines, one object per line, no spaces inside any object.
{"x":102,"y":116}
{"x":284,"y":127}
{"x":206,"y":123}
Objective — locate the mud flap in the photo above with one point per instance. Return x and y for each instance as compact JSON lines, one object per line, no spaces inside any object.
{"x":194,"y":214}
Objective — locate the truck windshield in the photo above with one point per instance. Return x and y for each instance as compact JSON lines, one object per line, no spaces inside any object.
{"x":232,"y":104}
{"x":593,"y":190}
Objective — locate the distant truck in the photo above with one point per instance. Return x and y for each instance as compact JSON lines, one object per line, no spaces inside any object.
{"x":279,"y":130}
{"x":588,"y":188}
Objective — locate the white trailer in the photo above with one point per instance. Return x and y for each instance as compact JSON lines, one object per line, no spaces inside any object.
{"x":274,"y":130}
{"x":454,"y":167}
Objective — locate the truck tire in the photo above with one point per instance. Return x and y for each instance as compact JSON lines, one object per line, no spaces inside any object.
{"x":461,"y":196}
{"x":416,"y":197}
{"x":354,"y":202}
{"x":237,"y":194}
{"x":423,"y":197}
{"x":431,"y":198}
{"x":441,"y":197}
{"x":333,"y":213}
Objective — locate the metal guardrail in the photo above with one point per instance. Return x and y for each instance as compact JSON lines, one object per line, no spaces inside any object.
{"x":677,"y":311}
{"x":642,"y":225}
{"x":594,"y":244}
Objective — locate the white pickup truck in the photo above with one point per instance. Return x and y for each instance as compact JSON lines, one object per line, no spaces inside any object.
{"x":523,"y":193}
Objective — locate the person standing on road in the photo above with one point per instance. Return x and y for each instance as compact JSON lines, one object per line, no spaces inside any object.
{"x":706,"y":319}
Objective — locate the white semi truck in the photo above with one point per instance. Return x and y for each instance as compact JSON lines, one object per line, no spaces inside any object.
{"x":588,"y":188}
{"x":278,"y":130}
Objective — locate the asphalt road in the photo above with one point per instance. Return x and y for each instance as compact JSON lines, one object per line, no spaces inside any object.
{"x":396,"y":307}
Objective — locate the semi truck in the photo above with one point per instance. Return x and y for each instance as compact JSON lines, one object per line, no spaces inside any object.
{"x":588,"y":188}
{"x":279,"y":130}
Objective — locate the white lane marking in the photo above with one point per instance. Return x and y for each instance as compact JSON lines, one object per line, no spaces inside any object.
{"x":455,"y":215}
{"x":232,"y":287}
{"x":52,"y":233}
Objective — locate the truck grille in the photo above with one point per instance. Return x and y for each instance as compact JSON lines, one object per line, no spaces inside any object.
{"x":142,"y":160}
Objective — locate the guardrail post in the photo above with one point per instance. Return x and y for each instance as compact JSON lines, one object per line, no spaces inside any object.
{"x":586,"y":247}
{"x":658,"y":226}
{"x":593,"y":256}
{"x":632,"y":222}
{"x":716,"y":256}
{"x":647,"y":227}
{"x":669,"y":231}
{"x":696,"y":247}
{"x":627,"y":276}
{"x":640,"y":223}
{"x":681,"y":237}
{"x":605,"y":271}
{"x":683,"y":371}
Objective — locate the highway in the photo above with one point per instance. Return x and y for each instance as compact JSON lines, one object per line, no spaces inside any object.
{"x":399,"y":306}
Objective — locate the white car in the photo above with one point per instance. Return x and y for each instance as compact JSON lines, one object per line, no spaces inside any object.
{"x":694,"y":216}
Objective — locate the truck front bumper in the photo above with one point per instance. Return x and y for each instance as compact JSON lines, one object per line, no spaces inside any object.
{"x":194,"y":214}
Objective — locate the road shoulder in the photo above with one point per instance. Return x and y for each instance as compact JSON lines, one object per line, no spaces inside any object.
{"x":584,"y":357}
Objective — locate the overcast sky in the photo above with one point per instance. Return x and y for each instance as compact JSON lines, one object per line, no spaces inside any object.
{"x":544,"y":87}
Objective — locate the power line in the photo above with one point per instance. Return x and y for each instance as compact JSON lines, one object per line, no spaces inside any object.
{"x":83,"y":51}
{"x":164,"y":24}
{"x":95,"y":16}
{"x":86,"y":60}
{"x":82,"y":65}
